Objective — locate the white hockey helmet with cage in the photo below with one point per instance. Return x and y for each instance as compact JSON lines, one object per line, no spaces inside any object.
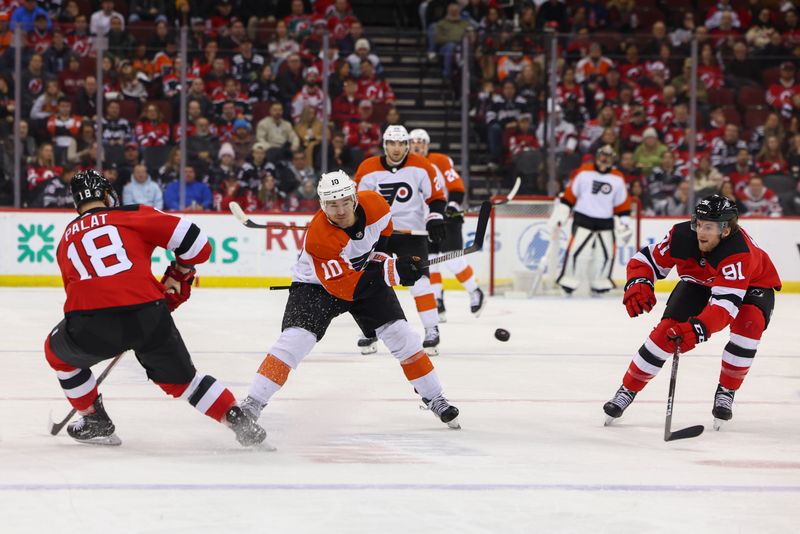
{"x":336,"y":185}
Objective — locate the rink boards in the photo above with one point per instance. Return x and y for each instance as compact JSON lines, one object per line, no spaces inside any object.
{"x":245,"y":257}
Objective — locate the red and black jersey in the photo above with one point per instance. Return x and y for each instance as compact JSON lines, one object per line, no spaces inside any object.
{"x":104,"y":255}
{"x":733,"y":266}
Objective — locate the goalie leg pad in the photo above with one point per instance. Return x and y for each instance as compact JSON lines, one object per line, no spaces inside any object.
{"x":579,"y":242}
{"x":603,"y":261}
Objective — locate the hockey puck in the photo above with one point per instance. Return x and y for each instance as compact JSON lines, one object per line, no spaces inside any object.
{"x":501,"y":334}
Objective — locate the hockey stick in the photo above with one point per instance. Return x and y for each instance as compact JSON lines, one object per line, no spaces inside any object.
{"x":237,"y":211}
{"x":477,"y":243}
{"x":688,"y":432}
{"x":55,"y":428}
{"x":509,"y":197}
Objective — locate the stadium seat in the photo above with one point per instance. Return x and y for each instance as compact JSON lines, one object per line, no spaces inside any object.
{"x":129,"y":109}
{"x":260,"y":110}
{"x":780,"y":183}
{"x":114,"y":154}
{"x":720,"y":97}
{"x":156,"y":156}
{"x":755,"y":116}
{"x":141,"y":30}
{"x":88,"y":66}
{"x":770,"y":76}
{"x":749,"y":96}
{"x":732,"y":115}
{"x":379,"y":111}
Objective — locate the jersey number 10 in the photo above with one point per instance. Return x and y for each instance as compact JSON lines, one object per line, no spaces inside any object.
{"x":97,"y":255}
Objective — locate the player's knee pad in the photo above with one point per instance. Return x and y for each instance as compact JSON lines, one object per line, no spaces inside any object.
{"x":749,"y":323}
{"x":293,"y":345}
{"x":401,"y":339}
{"x":658,"y":336}
{"x":55,"y":363}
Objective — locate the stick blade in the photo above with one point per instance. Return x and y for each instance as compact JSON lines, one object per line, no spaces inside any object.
{"x":685,"y":433}
{"x":238,"y":212}
{"x":511,"y":194}
{"x":483,"y":223}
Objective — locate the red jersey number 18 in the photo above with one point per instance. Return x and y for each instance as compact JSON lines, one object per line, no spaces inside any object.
{"x":98,"y":254}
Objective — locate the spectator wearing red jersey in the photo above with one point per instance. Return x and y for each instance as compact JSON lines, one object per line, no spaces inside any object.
{"x":632,"y":68}
{"x":232,"y":190}
{"x":627,"y":166}
{"x":364,"y":134}
{"x":269,"y":198}
{"x":6,"y":36}
{"x":298,"y":22}
{"x":708,"y":70}
{"x":758,"y":200}
{"x":742,"y":171}
{"x":41,"y":169}
{"x":770,"y":159}
{"x":217,"y":26}
{"x":311,"y":95}
{"x":79,"y":39}
{"x":202,"y":65}
{"x":215,"y":78}
{"x":71,"y":78}
{"x":40,"y":37}
{"x":779,"y":95}
{"x":231,"y":91}
{"x":370,"y":87}
{"x":340,"y":19}
{"x":345,"y":106}
{"x":223,"y":125}
{"x":151,"y":130}
{"x":282,"y":45}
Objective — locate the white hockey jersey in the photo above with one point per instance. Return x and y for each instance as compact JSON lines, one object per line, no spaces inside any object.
{"x":409,"y":188}
{"x":596,"y":194}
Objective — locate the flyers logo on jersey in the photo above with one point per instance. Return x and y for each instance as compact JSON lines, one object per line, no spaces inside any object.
{"x":399,"y":191}
{"x":600,"y":187}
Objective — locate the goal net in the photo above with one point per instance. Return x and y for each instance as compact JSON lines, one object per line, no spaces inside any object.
{"x":526,"y":258}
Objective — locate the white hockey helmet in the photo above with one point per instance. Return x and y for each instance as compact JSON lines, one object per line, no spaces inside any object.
{"x":395,"y":132}
{"x":336,"y":185}
{"x":419,"y":134}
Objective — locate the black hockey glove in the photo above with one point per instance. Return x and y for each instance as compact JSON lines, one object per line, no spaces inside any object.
{"x":408,"y":269}
{"x":453,"y":213}
{"x":437,"y":231}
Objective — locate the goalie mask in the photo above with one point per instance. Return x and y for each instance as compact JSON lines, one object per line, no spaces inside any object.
{"x":605,"y":158}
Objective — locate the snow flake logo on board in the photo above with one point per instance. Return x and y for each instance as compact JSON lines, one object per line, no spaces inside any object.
{"x":533,"y":244}
{"x":35,"y":243}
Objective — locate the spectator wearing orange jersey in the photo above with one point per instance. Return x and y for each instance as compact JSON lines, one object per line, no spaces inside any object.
{"x":595,"y":64}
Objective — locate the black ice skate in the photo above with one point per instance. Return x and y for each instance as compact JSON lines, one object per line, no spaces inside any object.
{"x":95,"y":428}
{"x":723,"y":406}
{"x":476,"y":302}
{"x":431,"y":341}
{"x":441,"y":309}
{"x":368,"y":345}
{"x":248,"y":432}
{"x":621,"y":400}
{"x":443,"y":410}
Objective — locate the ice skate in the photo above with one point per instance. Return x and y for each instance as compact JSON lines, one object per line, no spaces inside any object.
{"x":442,"y":312}
{"x":443,"y":410}
{"x":248,"y":432}
{"x":476,"y":302}
{"x":723,"y":406}
{"x":94,"y":428}
{"x":617,"y":405}
{"x":368,"y":345}
{"x":252,"y":408}
{"x":431,"y":341}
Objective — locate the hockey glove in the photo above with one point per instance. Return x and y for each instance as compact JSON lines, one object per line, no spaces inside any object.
{"x":688,"y":334}
{"x":177,"y":295}
{"x":409,"y":270}
{"x":639,"y":296}
{"x":437,"y":231}
{"x":453,"y":213}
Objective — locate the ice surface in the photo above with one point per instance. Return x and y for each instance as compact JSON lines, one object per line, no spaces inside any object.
{"x":356,"y":455}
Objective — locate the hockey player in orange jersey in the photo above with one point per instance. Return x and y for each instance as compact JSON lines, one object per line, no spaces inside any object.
{"x":453,"y":188}
{"x":408,"y":183}
{"x":343,"y":267}
{"x":597,"y":196}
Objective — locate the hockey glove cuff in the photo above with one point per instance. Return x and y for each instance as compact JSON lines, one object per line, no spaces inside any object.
{"x":408,"y":270}
{"x":639,"y":296}
{"x":176,"y":297}
{"x":437,"y":231}
{"x":688,"y":334}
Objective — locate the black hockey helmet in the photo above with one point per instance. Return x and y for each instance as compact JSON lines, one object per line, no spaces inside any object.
{"x":715,"y":208}
{"x":91,"y":185}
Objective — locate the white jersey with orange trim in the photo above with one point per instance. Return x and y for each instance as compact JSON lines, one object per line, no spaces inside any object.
{"x":452,"y":180}
{"x":596,"y":194}
{"x":409,"y":188}
{"x":337,"y":258}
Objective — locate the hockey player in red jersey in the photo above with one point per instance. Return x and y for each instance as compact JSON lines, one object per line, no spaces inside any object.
{"x":343,"y":268}
{"x":115,"y":304}
{"x":725,"y":279}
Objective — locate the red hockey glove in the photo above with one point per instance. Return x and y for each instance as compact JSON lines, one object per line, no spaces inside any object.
{"x":175,"y":296}
{"x":687,"y":334}
{"x":639,"y":296}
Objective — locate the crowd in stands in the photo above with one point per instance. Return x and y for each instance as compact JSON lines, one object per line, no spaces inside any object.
{"x":254,"y":99}
{"x":624,"y":79}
